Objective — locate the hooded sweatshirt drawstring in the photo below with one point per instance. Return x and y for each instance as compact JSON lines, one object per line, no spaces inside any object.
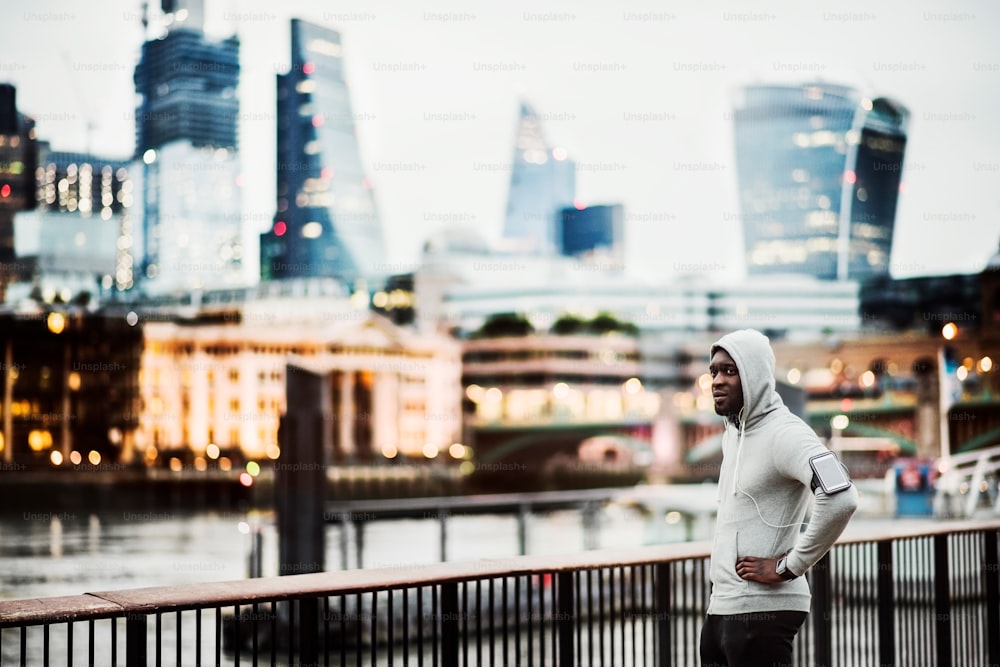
{"x":739,"y":444}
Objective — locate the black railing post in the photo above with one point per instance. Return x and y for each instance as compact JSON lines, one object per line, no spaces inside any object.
{"x":449,"y":624}
{"x":886,"y":604}
{"x":300,"y":477}
{"x":661,"y":613}
{"x":309,"y":631}
{"x":942,"y":601}
{"x":135,"y":639}
{"x":822,"y":612}
{"x":565,"y":621}
{"x":991,"y":581}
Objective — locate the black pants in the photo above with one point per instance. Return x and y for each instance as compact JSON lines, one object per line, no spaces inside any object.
{"x":762,"y":639}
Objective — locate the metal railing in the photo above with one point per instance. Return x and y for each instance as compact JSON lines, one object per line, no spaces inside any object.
{"x":895,"y":598}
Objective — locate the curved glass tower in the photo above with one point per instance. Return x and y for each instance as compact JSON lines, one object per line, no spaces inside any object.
{"x":542,"y":183}
{"x":326,"y":223}
{"x":819,"y":167}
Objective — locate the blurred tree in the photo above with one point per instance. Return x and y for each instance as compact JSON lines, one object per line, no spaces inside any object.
{"x":504,"y":324}
{"x":605,"y":323}
{"x":567,"y":325}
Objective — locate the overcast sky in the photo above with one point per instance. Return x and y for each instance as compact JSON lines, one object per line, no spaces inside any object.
{"x":639,"y":93}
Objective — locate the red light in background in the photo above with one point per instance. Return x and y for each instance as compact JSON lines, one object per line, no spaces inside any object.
{"x":366,"y":184}
{"x":326,"y":173}
{"x":579,"y":205}
{"x":317,"y":120}
{"x":4,"y":190}
{"x":246,"y":479}
{"x":280,"y":228}
{"x":308,"y":67}
{"x":850,"y":177}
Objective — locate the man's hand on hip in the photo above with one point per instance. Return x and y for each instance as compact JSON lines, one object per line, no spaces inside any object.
{"x":753,"y":568}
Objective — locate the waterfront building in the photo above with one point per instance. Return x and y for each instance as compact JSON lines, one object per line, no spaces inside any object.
{"x":542,"y":183}
{"x":215,"y":385}
{"x":547,"y":378}
{"x":595,"y":234}
{"x":70,"y":395}
{"x":581,"y":400}
{"x":326,"y":222}
{"x":188,"y":154}
{"x":819,"y":168}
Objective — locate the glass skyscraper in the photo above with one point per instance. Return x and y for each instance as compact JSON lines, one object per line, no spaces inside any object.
{"x":186,"y":138}
{"x":542,"y":183}
{"x":594,"y":232}
{"x":326,"y":222}
{"x":819,"y":167}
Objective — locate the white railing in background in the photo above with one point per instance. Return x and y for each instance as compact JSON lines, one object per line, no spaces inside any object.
{"x":965,"y":479}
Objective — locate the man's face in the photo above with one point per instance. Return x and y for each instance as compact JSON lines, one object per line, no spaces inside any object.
{"x":727,"y":390}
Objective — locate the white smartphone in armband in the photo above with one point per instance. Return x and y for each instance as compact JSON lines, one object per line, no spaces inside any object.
{"x":829,"y":473}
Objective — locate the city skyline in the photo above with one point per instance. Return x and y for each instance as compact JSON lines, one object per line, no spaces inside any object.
{"x":640,"y":95}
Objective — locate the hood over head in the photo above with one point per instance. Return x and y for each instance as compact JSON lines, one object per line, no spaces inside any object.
{"x":751,"y":350}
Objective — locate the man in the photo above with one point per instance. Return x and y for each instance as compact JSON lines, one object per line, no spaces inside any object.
{"x":759,"y":597}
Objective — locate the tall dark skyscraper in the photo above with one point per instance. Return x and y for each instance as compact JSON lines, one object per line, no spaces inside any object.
{"x":326,"y":222}
{"x":819,"y":167}
{"x":594,"y":232}
{"x":542,"y":183}
{"x":18,"y":159}
{"x":186,"y":138}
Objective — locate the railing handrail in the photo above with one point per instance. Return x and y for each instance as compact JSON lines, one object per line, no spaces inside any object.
{"x":61,"y":609}
{"x":476,"y":503}
{"x":968,"y":470}
{"x":970,"y":458}
{"x":161,"y":599}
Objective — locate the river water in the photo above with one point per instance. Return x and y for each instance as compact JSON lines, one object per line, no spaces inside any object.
{"x":69,"y":553}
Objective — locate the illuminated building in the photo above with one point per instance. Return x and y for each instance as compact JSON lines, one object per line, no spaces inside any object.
{"x":569,"y":379}
{"x":18,"y":155}
{"x":77,"y":243}
{"x":577,"y":394}
{"x":220,"y":379}
{"x":73,"y":388}
{"x":542,"y":183}
{"x":326,"y":222}
{"x":186,"y":139}
{"x":819,"y":169}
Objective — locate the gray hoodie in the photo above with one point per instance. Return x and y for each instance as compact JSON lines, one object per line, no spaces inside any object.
{"x":764,"y":491}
